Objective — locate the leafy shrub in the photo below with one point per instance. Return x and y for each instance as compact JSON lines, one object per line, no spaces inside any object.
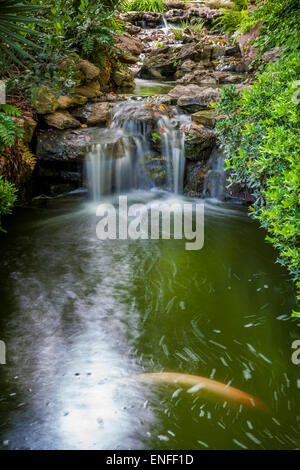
{"x":230,"y":20}
{"x":145,"y":5}
{"x":13,"y":36}
{"x":177,"y":33}
{"x":7,"y":198}
{"x":9,"y":130}
{"x":280,"y":20}
{"x":262,"y":143}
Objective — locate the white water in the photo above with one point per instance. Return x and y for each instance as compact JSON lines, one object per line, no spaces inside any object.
{"x":214,"y":184}
{"x":116,"y":161}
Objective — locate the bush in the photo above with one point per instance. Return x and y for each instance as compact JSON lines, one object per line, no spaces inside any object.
{"x":7,"y":198}
{"x":145,"y":5}
{"x":262,"y":144}
{"x":9,"y":130}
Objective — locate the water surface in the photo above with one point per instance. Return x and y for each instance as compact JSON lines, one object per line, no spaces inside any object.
{"x":79,"y":315}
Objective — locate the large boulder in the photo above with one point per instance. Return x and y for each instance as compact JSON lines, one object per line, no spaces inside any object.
{"x":90,"y":90}
{"x":93,"y":114}
{"x":44,"y":101}
{"x":207,"y":118}
{"x":193,"y":98}
{"x":199,"y":142}
{"x":69,"y":101}
{"x":28,"y":126}
{"x":61,"y":120}
{"x":129,"y":44}
{"x":89,"y":70}
{"x":47,"y":101}
{"x":123,"y":77}
{"x":83,"y":69}
{"x":68,"y":145}
{"x":200,"y":101}
{"x":245,"y":42}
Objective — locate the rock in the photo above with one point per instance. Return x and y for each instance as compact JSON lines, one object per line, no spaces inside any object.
{"x":61,"y":120}
{"x":190,"y":35}
{"x":199,"y":143}
{"x":47,"y":101}
{"x":89,"y":90}
{"x":188,"y":65}
{"x":200,"y":101}
{"x":219,"y":3}
{"x":69,"y":145}
{"x":83,"y":69}
{"x":207,"y":118}
{"x":68,"y":101}
{"x":232,"y":50}
{"x":248,"y":51}
{"x":272,"y":55}
{"x":164,"y":61}
{"x":123,"y":77}
{"x":218,"y":51}
{"x":181,"y":90}
{"x":44,"y":101}
{"x":28,"y":126}
{"x":195,"y":173}
{"x":142,"y":19}
{"x":192,"y":97}
{"x":156,"y":169}
{"x":177,"y":5}
{"x":62,"y":188}
{"x":89,"y":70}
{"x":207,"y":14}
{"x":129,"y":44}
{"x":93,"y":114}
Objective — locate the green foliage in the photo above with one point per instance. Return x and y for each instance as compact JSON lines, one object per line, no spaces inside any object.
{"x":240,"y":5}
{"x":280,"y":20}
{"x":231,"y":20}
{"x":13,"y":35}
{"x":262,"y":143}
{"x":9,"y":130}
{"x":177,"y":33}
{"x":82,"y":26}
{"x":145,"y":5}
{"x":196,"y":26}
{"x":7,"y":198}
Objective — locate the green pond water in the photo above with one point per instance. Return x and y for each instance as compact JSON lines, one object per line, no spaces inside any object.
{"x":152,"y":87}
{"x":79,"y":315}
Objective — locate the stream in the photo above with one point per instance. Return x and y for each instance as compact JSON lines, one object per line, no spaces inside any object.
{"x":80,"y":315}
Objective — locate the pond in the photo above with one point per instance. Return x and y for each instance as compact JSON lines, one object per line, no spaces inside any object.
{"x":80,"y":315}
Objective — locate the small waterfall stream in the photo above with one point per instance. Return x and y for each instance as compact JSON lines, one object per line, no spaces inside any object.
{"x":215,"y":179}
{"x":116,"y":162}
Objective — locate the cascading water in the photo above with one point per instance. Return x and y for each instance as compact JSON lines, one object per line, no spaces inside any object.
{"x":215,"y":179}
{"x":166,"y":27}
{"x":173,"y":149}
{"x":116,"y":161}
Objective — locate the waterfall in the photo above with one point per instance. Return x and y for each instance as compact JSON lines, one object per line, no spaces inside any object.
{"x":165,"y":25}
{"x":215,"y":179}
{"x":173,"y":150}
{"x":122,"y":156}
